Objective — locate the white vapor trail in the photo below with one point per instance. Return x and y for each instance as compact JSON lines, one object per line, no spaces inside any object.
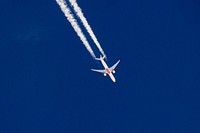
{"x":79,"y":13}
{"x":64,"y":7}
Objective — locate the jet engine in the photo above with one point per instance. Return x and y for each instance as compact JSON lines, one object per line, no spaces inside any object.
{"x":113,"y":71}
{"x":104,"y":74}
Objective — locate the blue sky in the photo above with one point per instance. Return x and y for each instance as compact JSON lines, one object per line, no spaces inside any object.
{"x":47,"y":85}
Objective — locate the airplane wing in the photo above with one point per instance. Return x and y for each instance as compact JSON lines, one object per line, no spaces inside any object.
{"x":100,"y":71}
{"x":114,"y":66}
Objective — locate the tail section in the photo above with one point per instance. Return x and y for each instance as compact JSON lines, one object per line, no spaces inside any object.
{"x":100,"y":57}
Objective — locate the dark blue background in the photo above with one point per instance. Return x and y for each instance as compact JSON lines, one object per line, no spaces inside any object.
{"x":46,"y":85}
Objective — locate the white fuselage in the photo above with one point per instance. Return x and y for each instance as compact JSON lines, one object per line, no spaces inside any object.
{"x":107,"y":70}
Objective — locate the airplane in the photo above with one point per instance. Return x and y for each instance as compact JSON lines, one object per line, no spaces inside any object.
{"x":106,"y":70}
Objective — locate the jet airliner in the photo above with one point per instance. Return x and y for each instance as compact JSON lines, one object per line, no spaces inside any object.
{"x":106,"y":70}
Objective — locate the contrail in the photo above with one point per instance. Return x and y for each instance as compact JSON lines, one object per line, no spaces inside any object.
{"x":64,"y":7}
{"x":79,"y":13}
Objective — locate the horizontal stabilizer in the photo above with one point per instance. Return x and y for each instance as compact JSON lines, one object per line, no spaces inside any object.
{"x":100,"y":57}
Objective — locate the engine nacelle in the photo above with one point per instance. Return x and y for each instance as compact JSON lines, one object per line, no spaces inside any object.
{"x":113,"y":71}
{"x":104,"y":74}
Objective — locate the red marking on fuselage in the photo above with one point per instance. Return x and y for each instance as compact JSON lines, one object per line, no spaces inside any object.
{"x":108,"y":71}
